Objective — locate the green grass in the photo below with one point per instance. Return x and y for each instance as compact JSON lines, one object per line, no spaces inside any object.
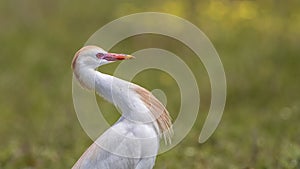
{"x":258,"y":43}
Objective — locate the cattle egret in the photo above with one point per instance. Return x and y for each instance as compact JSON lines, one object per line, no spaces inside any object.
{"x":133,"y":141}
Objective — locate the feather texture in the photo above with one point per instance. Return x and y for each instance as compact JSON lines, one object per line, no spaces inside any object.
{"x":158,"y":110}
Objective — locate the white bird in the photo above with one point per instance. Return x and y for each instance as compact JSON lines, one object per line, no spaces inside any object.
{"x":133,"y":141}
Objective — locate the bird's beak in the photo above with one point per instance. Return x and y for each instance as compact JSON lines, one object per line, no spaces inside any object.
{"x":115,"y":56}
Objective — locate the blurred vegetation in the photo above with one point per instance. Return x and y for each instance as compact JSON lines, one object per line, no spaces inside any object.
{"x":258,"y":42}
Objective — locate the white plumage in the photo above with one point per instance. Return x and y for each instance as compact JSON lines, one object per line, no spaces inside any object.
{"x":133,"y":141}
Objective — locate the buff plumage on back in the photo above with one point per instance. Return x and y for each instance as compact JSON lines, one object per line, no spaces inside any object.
{"x":158,"y":111}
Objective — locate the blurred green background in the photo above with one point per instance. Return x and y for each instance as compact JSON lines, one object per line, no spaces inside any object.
{"x":258,"y":42}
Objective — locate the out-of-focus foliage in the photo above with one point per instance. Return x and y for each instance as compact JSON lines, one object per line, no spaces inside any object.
{"x":258,"y":42}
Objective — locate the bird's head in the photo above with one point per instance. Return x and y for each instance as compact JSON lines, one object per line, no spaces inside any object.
{"x":93,"y":57}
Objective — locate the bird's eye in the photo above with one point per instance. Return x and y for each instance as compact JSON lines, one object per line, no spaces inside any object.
{"x":100,"y":55}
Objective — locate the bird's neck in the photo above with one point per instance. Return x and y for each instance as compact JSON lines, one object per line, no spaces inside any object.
{"x":119,"y":92}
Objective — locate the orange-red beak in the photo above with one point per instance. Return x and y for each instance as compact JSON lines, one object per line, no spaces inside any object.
{"x":115,"y":56}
